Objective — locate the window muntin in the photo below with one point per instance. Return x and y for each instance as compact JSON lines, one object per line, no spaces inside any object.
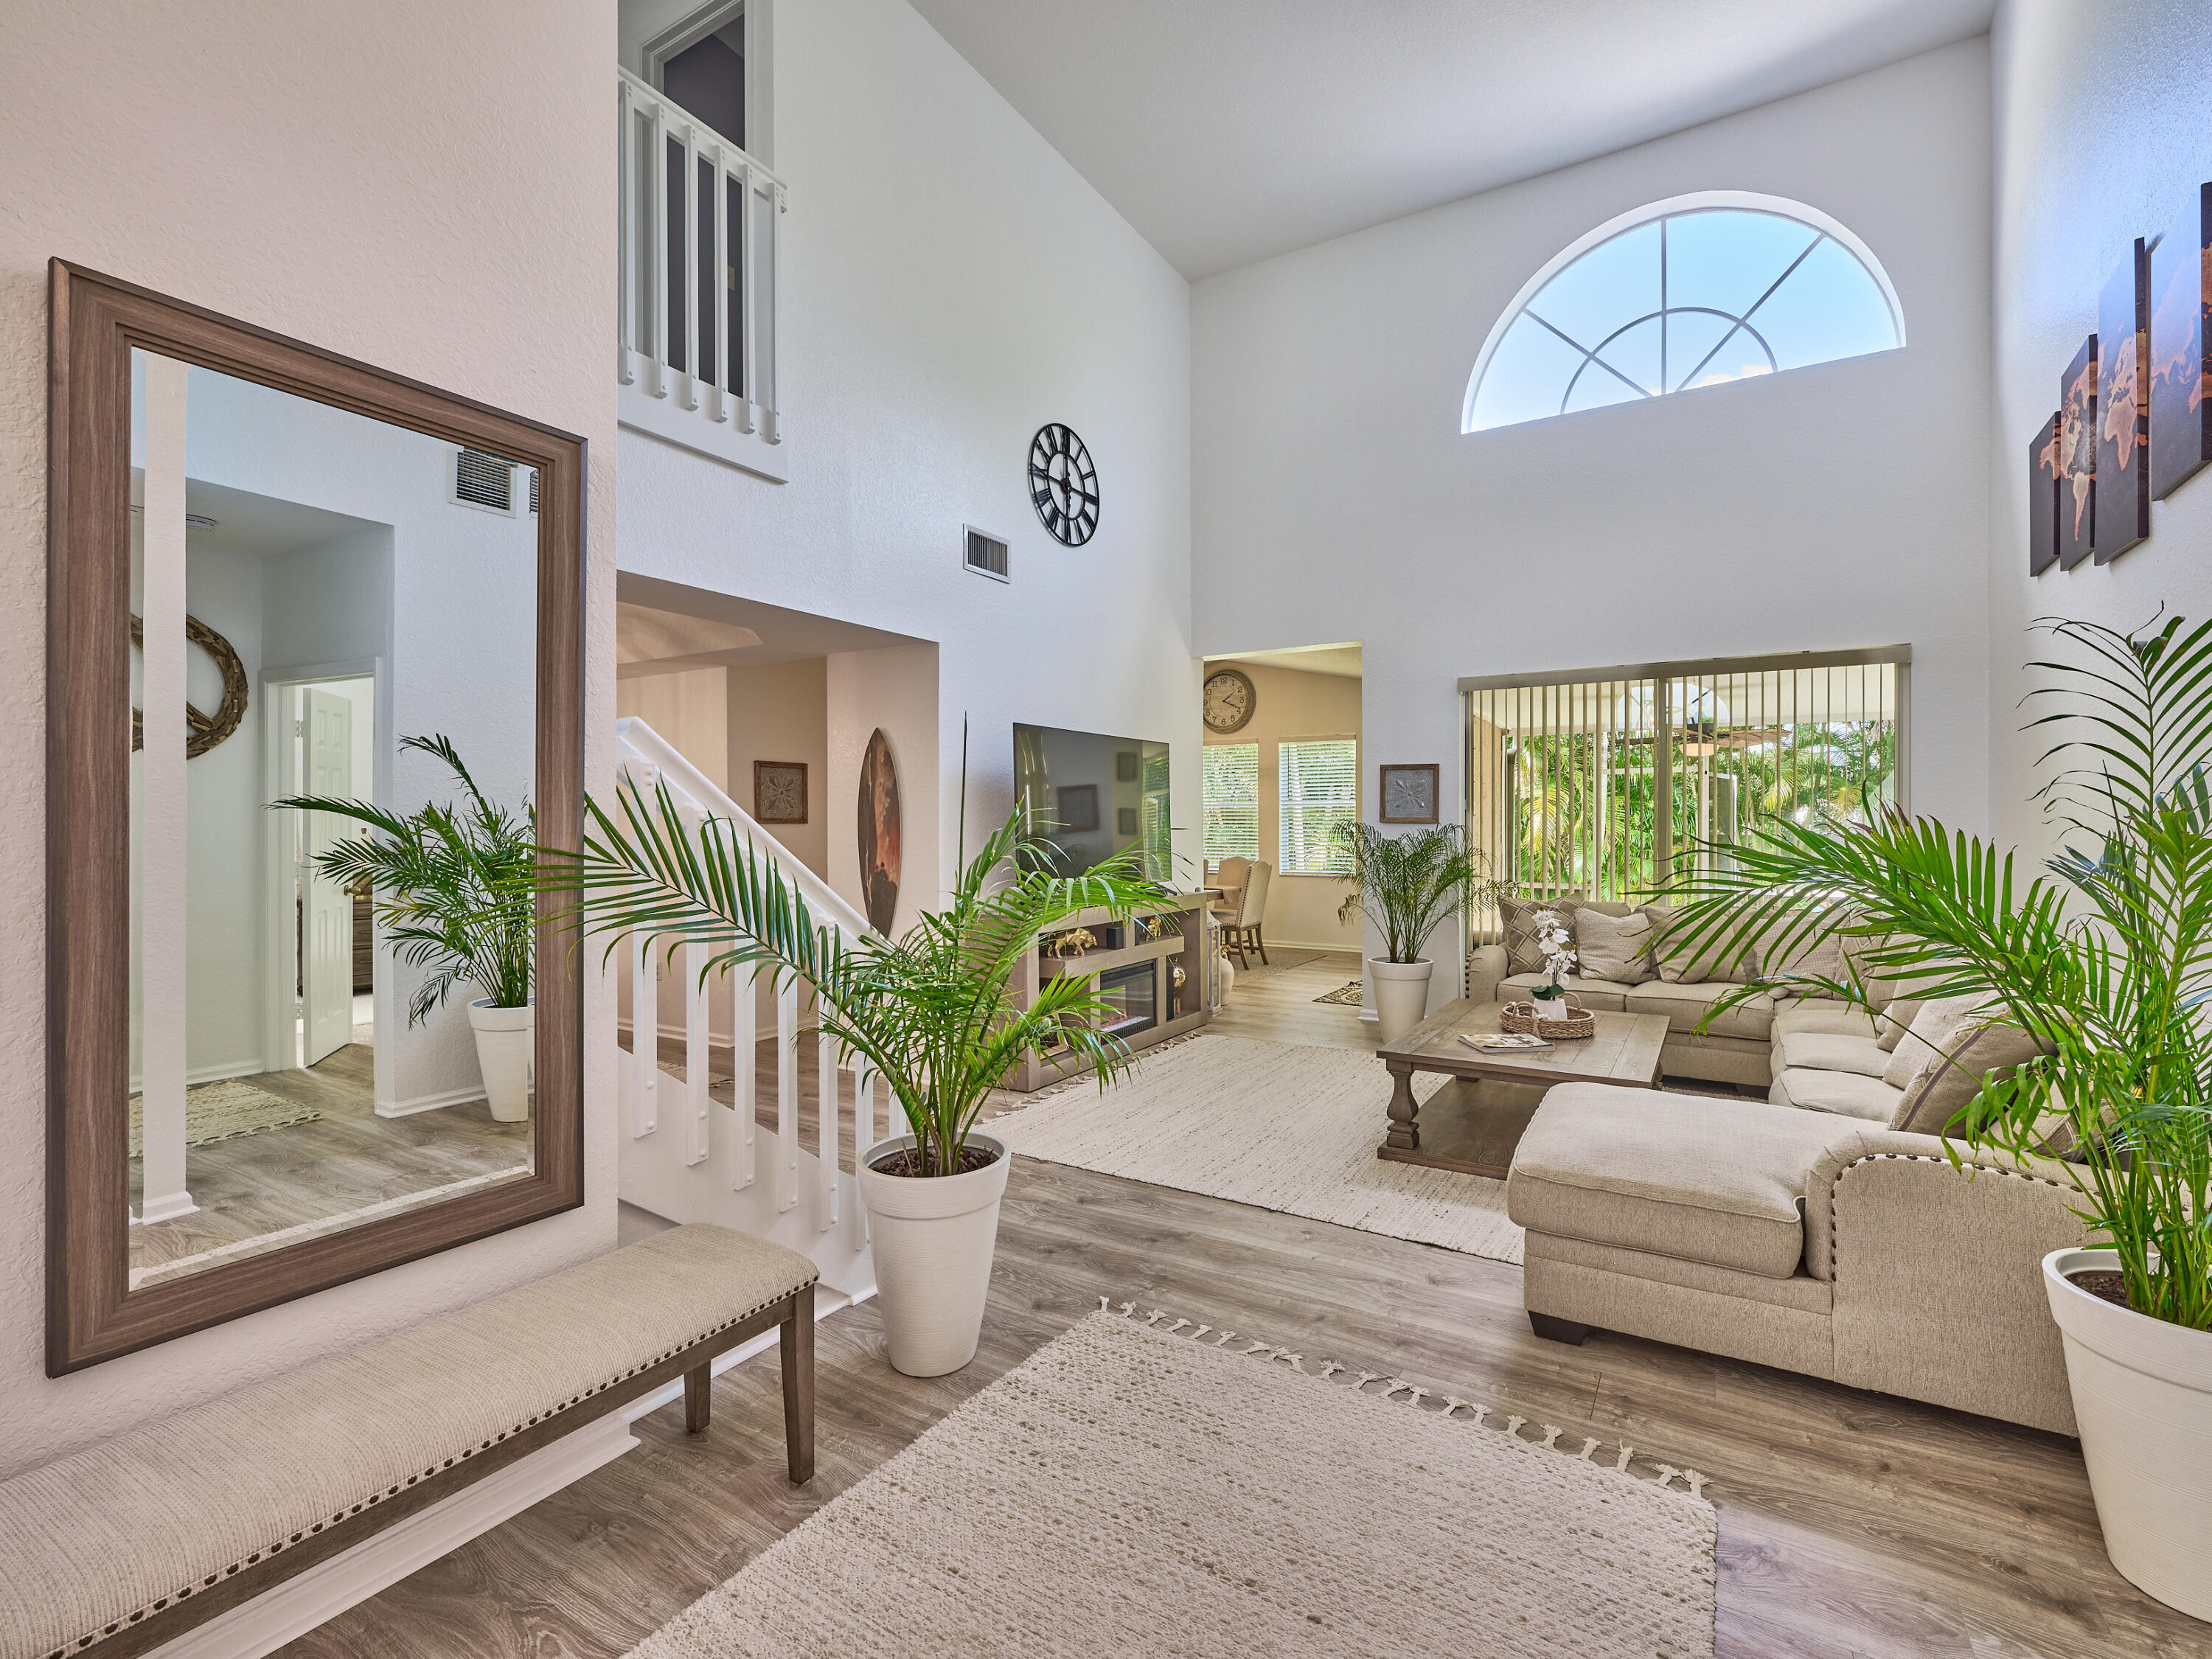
{"x":1318,"y":781}
{"x":1231,"y":783}
{"x":1678,"y":297}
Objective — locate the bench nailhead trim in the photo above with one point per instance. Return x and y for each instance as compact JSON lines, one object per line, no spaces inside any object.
{"x":84,"y":1642}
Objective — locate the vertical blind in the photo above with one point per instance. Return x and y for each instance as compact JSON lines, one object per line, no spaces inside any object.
{"x":1232,"y":801}
{"x":1320,"y":790}
{"x":1613,"y":785}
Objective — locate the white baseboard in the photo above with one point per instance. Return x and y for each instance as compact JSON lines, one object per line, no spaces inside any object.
{"x":415,"y":1103}
{"x":220,"y":1072}
{"x":291,"y":1609}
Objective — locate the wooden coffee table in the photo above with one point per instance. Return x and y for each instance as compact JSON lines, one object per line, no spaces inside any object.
{"x":1473,"y":1123}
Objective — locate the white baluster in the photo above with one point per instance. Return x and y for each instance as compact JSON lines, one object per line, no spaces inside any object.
{"x":656,"y":232}
{"x":744,"y":1037}
{"x":748,"y":251}
{"x":787,"y":1091}
{"x":864,"y":1136}
{"x":825,"y":1116}
{"x":722,"y":293}
{"x":697,"y":1037}
{"x":687,"y":387}
{"x":626,"y":313}
{"x":644,"y":1039}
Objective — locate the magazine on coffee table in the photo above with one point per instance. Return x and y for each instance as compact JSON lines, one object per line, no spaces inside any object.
{"x":1504,"y":1042}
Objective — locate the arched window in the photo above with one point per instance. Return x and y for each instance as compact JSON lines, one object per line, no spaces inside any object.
{"x":1686,"y":293}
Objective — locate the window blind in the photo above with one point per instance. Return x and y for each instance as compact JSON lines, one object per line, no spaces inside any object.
{"x":1232,"y":801}
{"x":1320,"y":786}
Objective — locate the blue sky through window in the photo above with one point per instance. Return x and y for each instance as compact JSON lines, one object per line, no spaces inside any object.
{"x":1686,"y":299}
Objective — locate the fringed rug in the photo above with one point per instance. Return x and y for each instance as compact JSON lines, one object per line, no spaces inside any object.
{"x":1347,"y":996}
{"x":1133,"y":1493}
{"x":1285,"y":1128}
{"x":220,"y":1110}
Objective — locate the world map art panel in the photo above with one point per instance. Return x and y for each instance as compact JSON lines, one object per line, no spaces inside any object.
{"x":2122,"y":497}
{"x":2180,"y":363}
{"x":2077,"y":455}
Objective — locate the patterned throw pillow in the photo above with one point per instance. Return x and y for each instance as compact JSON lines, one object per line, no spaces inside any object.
{"x":1517,"y":923}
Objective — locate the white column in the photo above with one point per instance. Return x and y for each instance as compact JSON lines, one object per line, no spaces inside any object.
{"x":162,"y":874}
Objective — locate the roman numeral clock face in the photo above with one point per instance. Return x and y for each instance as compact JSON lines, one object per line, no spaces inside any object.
{"x":1063,"y":484}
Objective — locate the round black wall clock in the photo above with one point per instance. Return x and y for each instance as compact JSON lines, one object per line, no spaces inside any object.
{"x":1063,"y":484}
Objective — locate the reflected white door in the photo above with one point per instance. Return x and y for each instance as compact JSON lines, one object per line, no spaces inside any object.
{"x":327,"y":960}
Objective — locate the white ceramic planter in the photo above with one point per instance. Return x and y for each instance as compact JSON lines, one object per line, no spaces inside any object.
{"x":2143,"y":1401}
{"x":507,"y":1053}
{"x":933,"y":1238}
{"x":1402,"y":995}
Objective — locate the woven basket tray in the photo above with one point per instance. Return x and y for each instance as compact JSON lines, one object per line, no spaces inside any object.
{"x":1522,"y":1017}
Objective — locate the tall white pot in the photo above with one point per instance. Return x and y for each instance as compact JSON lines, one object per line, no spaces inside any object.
{"x":2143,"y":1400}
{"x":1402,"y":995}
{"x":507,"y":1052}
{"x":933,"y":1238}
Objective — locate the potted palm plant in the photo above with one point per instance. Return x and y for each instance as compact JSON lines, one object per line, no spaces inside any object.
{"x":1407,"y":885}
{"x":932,"y":1013}
{"x":453,"y":895}
{"x":2105,"y":961}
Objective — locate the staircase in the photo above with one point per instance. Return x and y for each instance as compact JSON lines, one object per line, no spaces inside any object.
{"x":687,"y":1157}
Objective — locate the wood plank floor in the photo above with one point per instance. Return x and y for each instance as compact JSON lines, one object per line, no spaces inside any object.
{"x":1852,"y":1526}
{"x":251,"y":1186}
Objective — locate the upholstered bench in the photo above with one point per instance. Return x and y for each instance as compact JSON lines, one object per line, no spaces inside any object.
{"x":1817,"y":1243}
{"x":118,"y":1549}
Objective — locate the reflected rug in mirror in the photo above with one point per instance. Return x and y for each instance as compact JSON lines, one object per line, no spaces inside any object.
{"x":219,"y":1110}
{"x":1150,"y":1496}
{"x":1270,"y":1124}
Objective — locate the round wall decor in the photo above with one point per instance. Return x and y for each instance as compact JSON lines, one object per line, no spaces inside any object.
{"x":207,"y":730}
{"x":1063,"y":484}
{"x":1229,"y":700}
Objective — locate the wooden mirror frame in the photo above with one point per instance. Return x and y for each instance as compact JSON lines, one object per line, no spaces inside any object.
{"x":91,"y":1313}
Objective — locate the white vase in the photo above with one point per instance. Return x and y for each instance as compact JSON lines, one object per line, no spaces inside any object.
{"x":1224,"y":976}
{"x":507,"y":1054}
{"x":933,"y":1238}
{"x":2142,"y":1402}
{"x":1402,"y":995}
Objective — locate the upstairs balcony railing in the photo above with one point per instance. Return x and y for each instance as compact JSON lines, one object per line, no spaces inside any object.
{"x":695,"y":355}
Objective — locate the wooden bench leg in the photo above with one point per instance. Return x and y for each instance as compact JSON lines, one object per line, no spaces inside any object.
{"x":698,"y":1399}
{"x":795,"y":1342}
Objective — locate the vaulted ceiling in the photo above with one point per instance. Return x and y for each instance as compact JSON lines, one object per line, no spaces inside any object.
{"x":1230,"y":130}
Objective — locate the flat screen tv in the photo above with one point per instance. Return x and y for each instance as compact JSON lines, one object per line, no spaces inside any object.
{"x":1091,"y":795}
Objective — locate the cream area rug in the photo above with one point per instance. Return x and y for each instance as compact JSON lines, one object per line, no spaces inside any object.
{"x":1284,"y":1128}
{"x":1142,"y":1495}
{"x":219,"y":1110}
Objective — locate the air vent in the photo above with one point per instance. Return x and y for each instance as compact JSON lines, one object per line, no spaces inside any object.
{"x":483,"y":480}
{"x":986,"y":554}
{"x":533,"y":490}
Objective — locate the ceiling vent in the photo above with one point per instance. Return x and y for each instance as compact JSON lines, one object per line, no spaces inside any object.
{"x":484,"y":482}
{"x":986,"y":554}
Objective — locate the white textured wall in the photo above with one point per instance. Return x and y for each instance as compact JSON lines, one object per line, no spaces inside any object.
{"x":2104,"y":132}
{"x":1336,"y":499}
{"x":408,"y":184}
{"x":949,"y":286}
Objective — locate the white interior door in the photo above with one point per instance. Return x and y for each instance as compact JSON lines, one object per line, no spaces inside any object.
{"x":326,"y":958}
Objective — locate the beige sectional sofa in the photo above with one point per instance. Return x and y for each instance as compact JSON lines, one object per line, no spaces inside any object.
{"x":1815,"y":1242}
{"x":1803,"y":1230}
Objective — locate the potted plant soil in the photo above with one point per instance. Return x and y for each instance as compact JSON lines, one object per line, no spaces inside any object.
{"x":1407,"y":885}
{"x":453,"y":895}
{"x":932,"y":1011}
{"x":2106,"y":960}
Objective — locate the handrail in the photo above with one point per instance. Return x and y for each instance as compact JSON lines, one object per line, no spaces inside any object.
{"x":632,"y":732}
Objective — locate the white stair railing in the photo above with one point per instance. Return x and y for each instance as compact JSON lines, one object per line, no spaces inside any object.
{"x":715,"y":1171}
{"x":697,"y":294}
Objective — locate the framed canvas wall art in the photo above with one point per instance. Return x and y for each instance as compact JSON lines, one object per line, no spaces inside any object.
{"x":2043,"y":497}
{"x":2122,"y":510}
{"x":2077,"y":456}
{"x":2181,"y":348}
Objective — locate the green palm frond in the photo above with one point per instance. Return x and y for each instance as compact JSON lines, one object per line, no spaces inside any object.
{"x":932,"y":1013}
{"x":2105,"y":957}
{"x":1407,"y":885}
{"x":451,"y":885}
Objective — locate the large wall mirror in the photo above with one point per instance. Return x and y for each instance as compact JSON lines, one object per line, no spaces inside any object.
{"x":314,"y":692}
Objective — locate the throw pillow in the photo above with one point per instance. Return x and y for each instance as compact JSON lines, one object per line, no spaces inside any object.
{"x":1895,"y":1019}
{"x":1615,"y":948}
{"x":1677,"y":967}
{"x":1941,"y":1091}
{"x":1517,"y":920}
{"x":1934,"y":1030}
{"x":1823,"y":956}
